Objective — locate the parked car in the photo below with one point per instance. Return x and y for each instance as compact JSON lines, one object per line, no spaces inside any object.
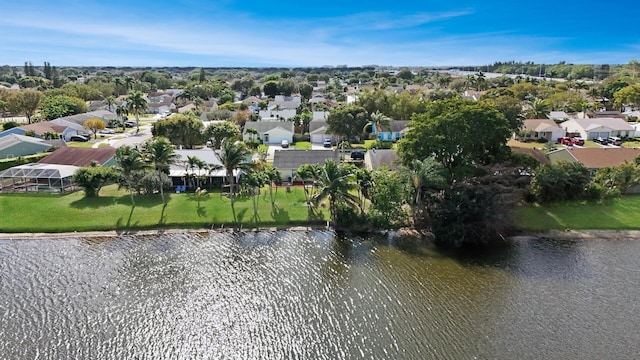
{"x":357,"y":155}
{"x":614,"y":140}
{"x":284,"y":144}
{"x":600,"y":140}
{"x":327,"y":143}
{"x":130,"y":124}
{"x":107,"y":131}
{"x":570,"y":141}
{"x":78,"y":138}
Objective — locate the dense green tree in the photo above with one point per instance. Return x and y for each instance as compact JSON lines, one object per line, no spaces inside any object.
{"x":54,"y":107}
{"x":306,"y":90}
{"x":270,"y":88}
{"x":628,"y":95}
{"x":220,"y":131}
{"x":559,"y":182}
{"x":347,"y":121}
{"x":538,"y":109}
{"x":159,"y":154}
{"x":26,"y":102}
{"x":185,"y":130}
{"x":619,"y":179}
{"x":459,"y":134}
{"x":476,"y":211}
{"x":92,"y":179}
{"x":377,"y":122}
{"x":387,"y":198}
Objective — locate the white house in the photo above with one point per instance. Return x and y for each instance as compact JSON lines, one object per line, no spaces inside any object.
{"x":535,"y":129}
{"x":599,"y":127}
{"x":270,"y":132}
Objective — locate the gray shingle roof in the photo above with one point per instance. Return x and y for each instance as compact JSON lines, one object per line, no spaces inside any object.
{"x":292,"y":159}
{"x":264,"y":126}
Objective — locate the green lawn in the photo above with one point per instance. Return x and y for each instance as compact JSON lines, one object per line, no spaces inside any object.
{"x":113,"y":211}
{"x":83,"y":144}
{"x":617,"y":214}
{"x":302,"y":145}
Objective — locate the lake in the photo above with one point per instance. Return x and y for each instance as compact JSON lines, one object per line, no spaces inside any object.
{"x":312,"y":295}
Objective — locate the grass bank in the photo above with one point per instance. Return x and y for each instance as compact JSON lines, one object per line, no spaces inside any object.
{"x":616,"y":214}
{"x":113,"y":211}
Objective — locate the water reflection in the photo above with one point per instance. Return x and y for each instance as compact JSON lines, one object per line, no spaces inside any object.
{"x":313,"y":295}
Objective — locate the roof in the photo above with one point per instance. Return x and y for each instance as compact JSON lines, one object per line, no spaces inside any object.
{"x":560,"y":115}
{"x":535,"y":153}
{"x":377,"y":158}
{"x":43,"y":127}
{"x":293,"y":159}
{"x":13,"y":139}
{"x":206,"y":155}
{"x":609,"y":113}
{"x":81,"y":157}
{"x":40,"y":171}
{"x":540,"y":125}
{"x":395,"y":126}
{"x":264,"y":126}
{"x":596,"y":158}
{"x":82,"y":118}
{"x":593,"y":123}
{"x":316,"y":125}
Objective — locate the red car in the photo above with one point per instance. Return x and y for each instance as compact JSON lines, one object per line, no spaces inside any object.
{"x":570,"y":141}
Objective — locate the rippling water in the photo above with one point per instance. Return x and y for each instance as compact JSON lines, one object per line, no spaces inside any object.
{"x":310,"y":295}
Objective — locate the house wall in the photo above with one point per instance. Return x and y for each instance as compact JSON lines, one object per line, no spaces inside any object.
{"x":275,"y":136}
{"x":283,"y":114}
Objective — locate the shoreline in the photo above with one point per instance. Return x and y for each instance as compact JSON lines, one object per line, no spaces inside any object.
{"x":525,"y":235}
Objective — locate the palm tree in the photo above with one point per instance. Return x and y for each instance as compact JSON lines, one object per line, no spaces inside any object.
{"x":337,"y":183}
{"x":272,"y":176}
{"x":160,"y":154}
{"x":118,"y":82}
{"x":192,"y":163}
{"x":377,"y":121}
{"x":234,"y":155}
{"x":128,"y":82}
{"x":538,"y":109}
{"x":110,"y":100}
{"x":423,"y":175}
{"x":136,"y":104}
{"x":129,"y":160}
{"x":120,"y":112}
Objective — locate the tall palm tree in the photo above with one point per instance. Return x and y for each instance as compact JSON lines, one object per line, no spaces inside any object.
{"x":136,"y":104}
{"x":337,"y":183}
{"x":129,"y":160}
{"x":272,"y":176}
{"x":377,"y":121}
{"x":234,"y":155}
{"x":120,"y":112}
{"x":160,"y":155}
{"x":110,"y":100}
{"x":128,"y":82}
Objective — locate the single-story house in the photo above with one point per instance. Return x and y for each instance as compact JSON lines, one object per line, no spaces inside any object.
{"x":277,"y":114}
{"x":600,"y":114}
{"x":81,"y":157}
{"x":13,"y":145}
{"x":40,"y":128}
{"x":535,"y":153}
{"x":80,"y":119}
{"x":595,"y":158}
{"x":535,"y":129}
{"x":288,"y":161}
{"x":270,"y":132}
{"x":590,"y":129}
{"x":396,"y":130}
{"x":318,"y":132}
{"x":213,"y":175}
{"x":376,"y":158}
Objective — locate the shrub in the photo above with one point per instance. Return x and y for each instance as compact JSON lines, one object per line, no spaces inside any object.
{"x":542,"y":140}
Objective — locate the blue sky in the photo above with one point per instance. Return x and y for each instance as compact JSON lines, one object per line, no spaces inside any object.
{"x":316,"y":33}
